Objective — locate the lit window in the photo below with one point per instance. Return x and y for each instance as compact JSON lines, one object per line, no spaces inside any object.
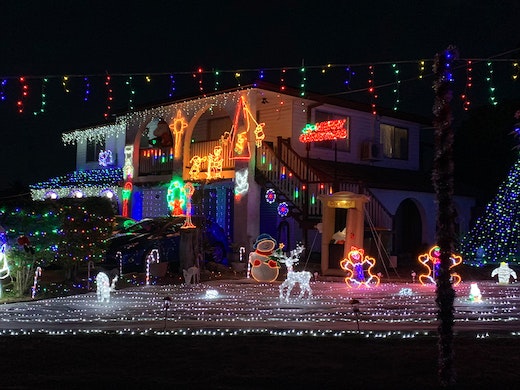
{"x":395,"y":141}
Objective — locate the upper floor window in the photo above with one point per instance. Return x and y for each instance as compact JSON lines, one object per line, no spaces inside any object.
{"x":341,"y":144}
{"x":93,"y":149}
{"x":395,"y":141}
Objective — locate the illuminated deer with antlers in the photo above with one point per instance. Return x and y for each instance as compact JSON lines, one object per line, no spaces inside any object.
{"x":302,"y":278}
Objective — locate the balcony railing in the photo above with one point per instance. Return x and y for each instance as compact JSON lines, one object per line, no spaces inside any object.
{"x":160,"y":161}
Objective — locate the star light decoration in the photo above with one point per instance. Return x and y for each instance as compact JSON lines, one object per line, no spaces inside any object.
{"x":177,"y":127}
{"x":359,"y":269}
{"x":432,"y":262}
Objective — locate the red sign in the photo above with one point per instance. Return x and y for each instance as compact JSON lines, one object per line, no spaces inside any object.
{"x":324,"y":131}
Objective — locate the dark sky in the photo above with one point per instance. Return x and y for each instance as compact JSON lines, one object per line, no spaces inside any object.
{"x":56,"y":38}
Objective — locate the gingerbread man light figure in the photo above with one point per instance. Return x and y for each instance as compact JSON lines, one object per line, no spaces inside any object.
{"x":359,"y":269}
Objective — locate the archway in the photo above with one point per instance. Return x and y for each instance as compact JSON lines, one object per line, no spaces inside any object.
{"x":408,"y":233}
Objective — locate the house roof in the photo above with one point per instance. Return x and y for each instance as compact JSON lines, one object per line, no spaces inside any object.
{"x":99,"y":177}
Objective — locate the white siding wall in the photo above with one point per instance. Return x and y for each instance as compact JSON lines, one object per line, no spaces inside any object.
{"x":363,"y":127}
{"x":277,"y":118}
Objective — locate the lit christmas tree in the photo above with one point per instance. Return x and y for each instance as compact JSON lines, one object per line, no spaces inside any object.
{"x":496,"y":234}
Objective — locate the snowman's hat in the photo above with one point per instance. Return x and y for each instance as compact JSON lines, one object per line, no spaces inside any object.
{"x":263,"y":237}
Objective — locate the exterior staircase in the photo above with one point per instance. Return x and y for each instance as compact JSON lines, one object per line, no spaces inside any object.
{"x":299,"y":185}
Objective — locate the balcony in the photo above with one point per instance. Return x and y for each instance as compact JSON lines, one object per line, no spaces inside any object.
{"x":160,"y":161}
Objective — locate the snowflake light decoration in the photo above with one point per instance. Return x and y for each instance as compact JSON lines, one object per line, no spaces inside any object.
{"x":270,"y":196}
{"x":283,"y":209}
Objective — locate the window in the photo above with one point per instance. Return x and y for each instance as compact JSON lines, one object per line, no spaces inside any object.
{"x":395,"y":141}
{"x":341,"y":144}
{"x":93,"y":149}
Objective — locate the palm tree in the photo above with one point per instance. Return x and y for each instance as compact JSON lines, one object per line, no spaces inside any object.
{"x":442,"y":179}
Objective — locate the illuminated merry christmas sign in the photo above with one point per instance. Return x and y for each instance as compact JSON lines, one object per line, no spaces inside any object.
{"x":324,"y":131}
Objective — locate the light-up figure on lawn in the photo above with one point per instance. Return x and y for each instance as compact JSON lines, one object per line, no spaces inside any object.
{"x":504,"y":273}
{"x":176,"y":197}
{"x":4,"y":266}
{"x":432,"y":262}
{"x":263,"y":268}
{"x":153,"y":257}
{"x":359,"y":269}
{"x":474,"y":293}
{"x":189,"y":189}
{"x":302,"y":278}
{"x":104,"y":287}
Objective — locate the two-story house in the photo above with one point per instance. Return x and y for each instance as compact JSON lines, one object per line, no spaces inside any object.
{"x":262,"y":160}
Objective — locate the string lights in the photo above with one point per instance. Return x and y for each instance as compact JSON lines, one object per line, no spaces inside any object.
{"x":109,"y":97}
{"x":86,"y":90}
{"x":2,"y":89}
{"x":43,"y":101}
{"x":372,"y":89}
{"x":399,"y":69}
{"x":131,"y":92}
{"x":395,"y":68}
{"x":491,"y":86}
{"x":24,"y":94}
{"x":469,"y":83}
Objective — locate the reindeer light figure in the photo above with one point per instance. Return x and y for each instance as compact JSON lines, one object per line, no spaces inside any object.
{"x":301,"y":278}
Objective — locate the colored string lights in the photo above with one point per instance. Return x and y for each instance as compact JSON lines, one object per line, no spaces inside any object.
{"x":24,"y":94}
{"x":109,"y":97}
{"x":469,"y":83}
{"x":305,"y":76}
{"x":395,"y":68}
{"x":43,"y":101}
{"x":372,"y":89}
{"x":491,"y":86}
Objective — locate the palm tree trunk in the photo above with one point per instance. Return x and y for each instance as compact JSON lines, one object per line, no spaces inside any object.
{"x":442,"y":179}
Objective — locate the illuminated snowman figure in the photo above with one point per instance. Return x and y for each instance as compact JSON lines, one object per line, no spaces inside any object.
{"x":504,"y":273}
{"x":264,"y":269}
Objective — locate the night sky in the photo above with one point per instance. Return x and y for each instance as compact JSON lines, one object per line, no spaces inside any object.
{"x":51,"y":39}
